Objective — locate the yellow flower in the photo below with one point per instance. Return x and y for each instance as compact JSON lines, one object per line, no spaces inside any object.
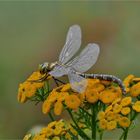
{"x":62,"y":96}
{"x":126,"y":101}
{"x":52,"y":124}
{"x":98,"y":87}
{"x":103,"y":124}
{"x":106,"y":83}
{"x":57,"y":131}
{"x":124,"y":122}
{"x":135,"y":90}
{"x":56,"y":138}
{"x":117,"y":117}
{"x":127,"y":80}
{"x":66,"y":87}
{"x":27,"y":137}
{"x":91,"y":95}
{"x":125,"y":110}
{"x":137,"y":79}
{"x":74,"y":132}
{"x":49,"y":132}
{"x":35,"y":76}
{"x":60,"y":124}
{"x":39,"y":137}
{"x":110,"y":116}
{"x":109,"y":108}
{"x":107,"y":96}
{"x":117,"y":108}
{"x":68,"y":136}
{"x":72,"y":101}
{"x":101,"y":115}
{"x":116,"y":101}
{"x":111,"y":125}
{"x":58,"y":107}
{"x":46,"y":106}
{"x":92,"y":82}
{"x":21,"y":97}
{"x":136,"y":106}
{"x":53,"y":96}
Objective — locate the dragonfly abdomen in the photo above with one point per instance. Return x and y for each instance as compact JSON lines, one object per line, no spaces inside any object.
{"x":108,"y":78}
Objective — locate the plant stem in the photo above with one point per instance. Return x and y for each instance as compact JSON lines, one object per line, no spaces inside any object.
{"x":93,"y":119}
{"x":101,"y":135}
{"x":81,"y":133}
{"x":126,"y":133}
{"x":51,"y":116}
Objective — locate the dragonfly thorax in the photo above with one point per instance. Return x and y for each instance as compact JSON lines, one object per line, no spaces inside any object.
{"x":46,"y":67}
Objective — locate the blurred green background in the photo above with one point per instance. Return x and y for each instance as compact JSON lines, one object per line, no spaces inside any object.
{"x":34,"y":32}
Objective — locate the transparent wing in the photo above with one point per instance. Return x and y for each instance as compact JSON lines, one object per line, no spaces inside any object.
{"x":86,"y":59}
{"x":72,"y":45}
{"x":78,"y":83}
{"x":58,"y":71}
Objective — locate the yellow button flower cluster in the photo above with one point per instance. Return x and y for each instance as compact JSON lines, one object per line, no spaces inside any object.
{"x":54,"y":131}
{"x":27,"y":89}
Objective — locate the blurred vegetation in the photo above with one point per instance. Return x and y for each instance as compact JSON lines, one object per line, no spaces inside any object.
{"x":34,"y":32}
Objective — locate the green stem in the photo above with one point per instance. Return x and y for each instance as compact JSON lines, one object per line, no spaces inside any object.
{"x":51,"y":116}
{"x":81,"y":133}
{"x":126,"y":133}
{"x":101,"y":135}
{"x":93,"y":119}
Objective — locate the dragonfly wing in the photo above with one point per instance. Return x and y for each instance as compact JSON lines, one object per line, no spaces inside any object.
{"x":58,"y":71}
{"x":72,"y":45}
{"x":78,"y":83}
{"x":86,"y":59}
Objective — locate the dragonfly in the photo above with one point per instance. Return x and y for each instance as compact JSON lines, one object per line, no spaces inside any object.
{"x":75,"y":66}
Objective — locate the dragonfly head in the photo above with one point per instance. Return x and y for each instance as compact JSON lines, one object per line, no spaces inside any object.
{"x":44,"y":68}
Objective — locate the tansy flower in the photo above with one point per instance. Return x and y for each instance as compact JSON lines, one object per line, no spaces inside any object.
{"x":110,"y":116}
{"x":57,"y":131}
{"x":124,"y":122}
{"x":46,"y":106}
{"x":60,"y":124}
{"x":127,"y":82}
{"x":126,"y":101}
{"x":103,"y":124}
{"x":66,"y":87}
{"x":107,"y":96}
{"x":39,"y":137}
{"x":73,"y":131}
{"x":61,"y":96}
{"x":92,"y":82}
{"x":136,"y":106}
{"x":137,"y":79}
{"x":68,"y":136}
{"x":117,"y":108}
{"x":58,"y":107}
{"x":135,"y":90}
{"x":109,"y":108}
{"x":125,"y":110}
{"x":128,"y":79}
{"x":106,"y":83}
{"x":101,"y":115}
{"x":98,"y":87}
{"x":111,"y":125}
{"x":72,"y":101}
{"x":91,"y":95}
{"x":117,"y":117}
{"x":116,"y":101}
{"x":53,"y":96}
{"x":49,"y":132}
{"x":52,"y":124}
{"x":21,"y":97}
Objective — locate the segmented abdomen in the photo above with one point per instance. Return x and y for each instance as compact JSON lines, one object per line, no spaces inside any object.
{"x":108,"y":78}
